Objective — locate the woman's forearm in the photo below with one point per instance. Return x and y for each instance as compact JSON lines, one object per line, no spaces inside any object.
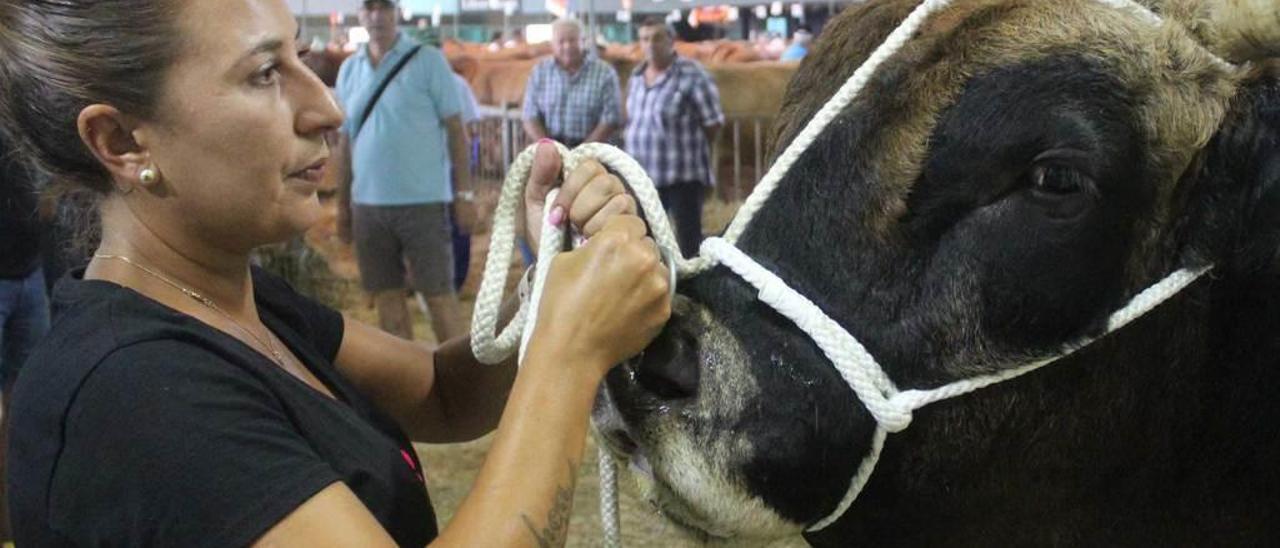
{"x":524,"y":493}
{"x":470,"y":395}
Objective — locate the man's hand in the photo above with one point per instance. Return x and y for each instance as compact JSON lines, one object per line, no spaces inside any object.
{"x":468,"y":213}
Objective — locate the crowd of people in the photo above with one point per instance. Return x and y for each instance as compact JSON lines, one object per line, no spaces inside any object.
{"x":672,"y":114}
{"x":212,"y":388}
{"x":408,"y":180}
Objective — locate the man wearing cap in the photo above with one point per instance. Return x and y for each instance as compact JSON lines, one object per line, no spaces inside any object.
{"x":394,"y":201}
{"x":572,"y":98}
{"x":673,"y":116}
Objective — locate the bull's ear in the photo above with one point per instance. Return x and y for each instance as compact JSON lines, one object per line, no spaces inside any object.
{"x":1236,"y":30}
{"x":1267,"y":219}
{"x":1262,"y":216}
{"x":1243,"y":167}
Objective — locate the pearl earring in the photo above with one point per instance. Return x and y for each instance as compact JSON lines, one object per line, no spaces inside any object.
{"x":148,"y":176}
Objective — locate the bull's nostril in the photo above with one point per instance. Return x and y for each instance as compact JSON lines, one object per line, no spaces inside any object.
{"x":668,"y":368}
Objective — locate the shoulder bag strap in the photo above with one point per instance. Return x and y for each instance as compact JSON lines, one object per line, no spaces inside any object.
{"x":382,"y":86}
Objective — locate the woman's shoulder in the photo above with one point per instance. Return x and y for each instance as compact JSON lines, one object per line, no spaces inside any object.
{"x":174,"y":422}
{"x":91,"y":318}
{"x":117,"y":337}
{"x":101,"y":371}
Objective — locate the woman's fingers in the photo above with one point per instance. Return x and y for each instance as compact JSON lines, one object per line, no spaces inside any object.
{"x":618,"y":204}
{"x":629,"y":225}
{"x":578,"y":179}
{"x":611,"y":296}
{"x":544,"y":175}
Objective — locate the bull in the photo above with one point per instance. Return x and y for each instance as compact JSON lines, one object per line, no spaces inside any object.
{"x":1014,"y":174}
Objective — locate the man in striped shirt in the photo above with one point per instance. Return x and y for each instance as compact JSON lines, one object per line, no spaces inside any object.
{"x":569,"y":97}
{"x":673,"y":116}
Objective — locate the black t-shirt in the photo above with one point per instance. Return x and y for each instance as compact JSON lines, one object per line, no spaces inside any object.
{"x":136,"y":425}
{"x":19,"y":228}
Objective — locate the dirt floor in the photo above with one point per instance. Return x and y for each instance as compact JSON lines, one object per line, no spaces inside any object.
{"x":451,"y":469}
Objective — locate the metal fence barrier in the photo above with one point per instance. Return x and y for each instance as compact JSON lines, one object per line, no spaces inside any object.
{"x":739,"y":154}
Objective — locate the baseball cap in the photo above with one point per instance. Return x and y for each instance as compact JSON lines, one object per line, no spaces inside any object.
{"x":372,"y":3}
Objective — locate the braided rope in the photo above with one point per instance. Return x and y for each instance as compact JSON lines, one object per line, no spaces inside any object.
{"x":610,"y":520}
{"x":850,"y":358}
{"x":828,"y":113}
{"x":490,"y":346}
{"x":892,"y":409}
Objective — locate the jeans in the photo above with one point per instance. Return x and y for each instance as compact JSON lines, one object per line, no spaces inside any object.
{"x":24,"y":319}
{"x":461,"y":252}
{"x":683,"y":201}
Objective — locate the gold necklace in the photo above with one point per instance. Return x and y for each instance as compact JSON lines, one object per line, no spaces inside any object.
{"x":207,"y":302}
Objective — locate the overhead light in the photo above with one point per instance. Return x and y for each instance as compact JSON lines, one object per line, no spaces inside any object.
{"x":762,"y":12}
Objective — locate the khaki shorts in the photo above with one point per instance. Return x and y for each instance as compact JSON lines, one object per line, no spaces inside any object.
{"x":389,"y":237}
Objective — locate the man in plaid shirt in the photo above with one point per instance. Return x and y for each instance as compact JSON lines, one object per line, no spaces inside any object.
{"x":673,"y":116}
{"x":569,"y":97}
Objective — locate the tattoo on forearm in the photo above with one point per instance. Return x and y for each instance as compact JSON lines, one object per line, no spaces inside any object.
{"x":556,"y":531}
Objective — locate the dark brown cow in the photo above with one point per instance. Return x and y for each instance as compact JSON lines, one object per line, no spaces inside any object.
{"x":1012,"y":176}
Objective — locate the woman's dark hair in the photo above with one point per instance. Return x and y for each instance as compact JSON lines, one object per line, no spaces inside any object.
{"x":59,"y":56}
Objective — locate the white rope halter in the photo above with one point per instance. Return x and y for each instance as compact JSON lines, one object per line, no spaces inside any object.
{"x":890,"y":407}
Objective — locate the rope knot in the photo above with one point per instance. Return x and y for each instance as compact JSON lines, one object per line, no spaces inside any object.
{"x":895,"y":415}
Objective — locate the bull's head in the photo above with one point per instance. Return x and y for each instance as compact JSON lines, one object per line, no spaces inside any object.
{"x":1009,"y":178}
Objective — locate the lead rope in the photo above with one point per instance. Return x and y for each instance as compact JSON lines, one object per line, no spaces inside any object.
{"x":490,"y":346}
{"x":892,"y":409}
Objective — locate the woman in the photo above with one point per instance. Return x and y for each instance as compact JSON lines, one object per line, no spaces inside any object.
{"x":183,"y":398}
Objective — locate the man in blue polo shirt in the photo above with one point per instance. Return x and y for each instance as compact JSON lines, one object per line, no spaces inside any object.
{"x":395,"y":203}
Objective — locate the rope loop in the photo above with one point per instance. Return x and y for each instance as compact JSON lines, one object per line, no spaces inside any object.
{"x":488,"y":344}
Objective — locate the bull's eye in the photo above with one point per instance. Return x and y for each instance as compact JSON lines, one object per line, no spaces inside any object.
{"x":1057,"y":179}
{"x":1060,"y":190}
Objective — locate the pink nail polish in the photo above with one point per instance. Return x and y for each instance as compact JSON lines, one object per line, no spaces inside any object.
{"x":545,"y":140}
{"x":557,"y":216}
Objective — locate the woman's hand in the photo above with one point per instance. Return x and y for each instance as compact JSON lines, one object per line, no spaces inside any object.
{"x":605,"y":301}
{"x":588,"y":199}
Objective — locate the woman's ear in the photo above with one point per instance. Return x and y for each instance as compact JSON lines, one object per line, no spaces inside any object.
{"x":109,"y":134}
